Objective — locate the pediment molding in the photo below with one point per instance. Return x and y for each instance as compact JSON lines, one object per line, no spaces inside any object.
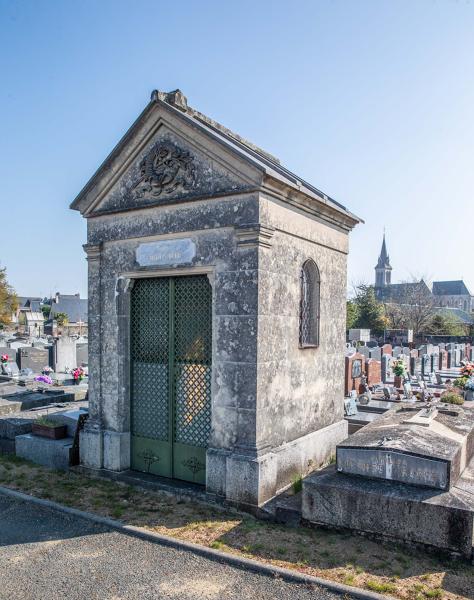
{"x":162,"y":162}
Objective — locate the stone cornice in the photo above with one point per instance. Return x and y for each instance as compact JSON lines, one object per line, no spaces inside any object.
{"x":93,"y":251}
{"x":254,"y":235}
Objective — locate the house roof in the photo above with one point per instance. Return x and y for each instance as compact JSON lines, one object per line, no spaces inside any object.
{"x":29,"y":302}
{"x":75,"y":308}
{"x":266,"y":163}
{"x":450,"y":288}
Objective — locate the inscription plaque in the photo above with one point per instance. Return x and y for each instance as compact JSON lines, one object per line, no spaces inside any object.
{"x":393,"y":466}
{"x":166,"y":253}
{"x":356,"y":368}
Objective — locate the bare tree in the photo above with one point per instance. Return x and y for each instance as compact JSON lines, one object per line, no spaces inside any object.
{"x":411,"y":306}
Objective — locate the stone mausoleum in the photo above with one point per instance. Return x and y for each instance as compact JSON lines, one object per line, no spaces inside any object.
{"x":217,"y":290}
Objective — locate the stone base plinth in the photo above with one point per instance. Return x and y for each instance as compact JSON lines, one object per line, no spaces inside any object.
{"x":91,"y":448}
{"x":391,"y":510}
{"x":104,"y":449}
{"x":253,"y":481}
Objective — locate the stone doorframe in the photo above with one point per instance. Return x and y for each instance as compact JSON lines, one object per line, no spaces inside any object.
{"x":124,"y":286}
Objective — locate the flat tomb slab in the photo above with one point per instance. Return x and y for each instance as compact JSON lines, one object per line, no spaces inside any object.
{"x":406,"y":446}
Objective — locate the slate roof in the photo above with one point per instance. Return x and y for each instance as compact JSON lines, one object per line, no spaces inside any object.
{"x":74,"y":307}
{"x":268,"y":164}
{"x":450,"y":288}
{"x":401,"y":291}
{"x":457,"y":313}
{"x":32,"y":302}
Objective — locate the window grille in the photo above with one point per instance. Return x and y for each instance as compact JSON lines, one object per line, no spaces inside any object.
{"x":310,"y":305}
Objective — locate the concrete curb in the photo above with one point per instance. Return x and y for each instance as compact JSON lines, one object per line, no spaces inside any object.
{"x":223,"y":557}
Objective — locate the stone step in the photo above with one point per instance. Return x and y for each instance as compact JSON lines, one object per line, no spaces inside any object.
{"x":288,"y":510}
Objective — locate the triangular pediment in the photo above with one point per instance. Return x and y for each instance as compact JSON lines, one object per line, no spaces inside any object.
{"x":163,"y":159}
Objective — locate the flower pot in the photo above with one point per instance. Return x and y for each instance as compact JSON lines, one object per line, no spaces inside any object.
{"x":58,"y":432}
{"x":398,"y":382}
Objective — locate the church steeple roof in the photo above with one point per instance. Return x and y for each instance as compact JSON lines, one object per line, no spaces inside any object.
{"x":384,"y":259}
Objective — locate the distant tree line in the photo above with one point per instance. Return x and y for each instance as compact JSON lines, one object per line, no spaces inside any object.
{"x":414,"y":309}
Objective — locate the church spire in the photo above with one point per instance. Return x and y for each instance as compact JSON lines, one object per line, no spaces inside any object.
{"x":384,"y":259}
{"x":383,"y":268}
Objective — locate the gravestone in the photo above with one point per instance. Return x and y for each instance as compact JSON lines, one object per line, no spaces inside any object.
{"x":64,"y":354}
{"x":457,"y":358}
{"x":450,"y":346}
{"x":397,"y":351}
{"x":442,"y":345}
{"x":354,"y":372}
{"x":82,"y":354}
{"x":450,"y":361}
{"x":443,"y":359}
{"x":10,"y":369}
{"x":386,"y":371}
{"x":471,"y":354}
{"x":376,"y":353}
{"x":415,"y":365}
{"x":406,"y":351}
{"x":364,"y":351}
{"x":373,"y":372}
{"x":33,"y":358}
{"x":435,"y":361}
{"x":425,"y":364}
{"x":387,"y":349}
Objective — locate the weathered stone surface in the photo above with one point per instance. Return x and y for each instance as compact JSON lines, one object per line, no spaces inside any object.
{"x":396,"y":448}
{"x":391,"y":510}
{"x":277,"y":409}
{"x":55,"y":454}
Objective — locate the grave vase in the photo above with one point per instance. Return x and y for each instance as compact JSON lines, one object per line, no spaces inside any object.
{"x":398,"y":381}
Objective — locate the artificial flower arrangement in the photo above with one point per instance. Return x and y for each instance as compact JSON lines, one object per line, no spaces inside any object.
{"x":47,"y":370}
{"x":78,"y":374}
{"x":398,"y":368}
{"x":44,"y":379}
{"x":4,"y":358}
{"x":469,"y":385}
{"x":467,"y":370}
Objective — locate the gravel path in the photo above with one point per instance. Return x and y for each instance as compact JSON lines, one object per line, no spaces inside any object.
{"x":45,"y":554}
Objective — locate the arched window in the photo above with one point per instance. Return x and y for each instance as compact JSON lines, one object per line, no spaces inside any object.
{"x":310,"y":308}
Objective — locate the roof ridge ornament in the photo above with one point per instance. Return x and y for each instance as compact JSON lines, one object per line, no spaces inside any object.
{"x":175,"y":98}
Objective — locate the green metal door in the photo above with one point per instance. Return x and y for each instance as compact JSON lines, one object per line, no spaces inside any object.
{"x":171,"y":376}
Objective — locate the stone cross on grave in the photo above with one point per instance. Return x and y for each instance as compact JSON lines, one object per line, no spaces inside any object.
{"x":424,"y":417}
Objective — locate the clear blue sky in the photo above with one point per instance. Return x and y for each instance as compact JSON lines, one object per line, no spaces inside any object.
{"x":371,"y":101}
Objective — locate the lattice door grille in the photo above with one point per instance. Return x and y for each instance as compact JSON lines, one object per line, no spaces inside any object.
{"x":192,"y":360}
{"x":150,"y":342}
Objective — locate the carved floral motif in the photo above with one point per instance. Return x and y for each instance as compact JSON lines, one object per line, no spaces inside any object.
{"x":164,"y":168}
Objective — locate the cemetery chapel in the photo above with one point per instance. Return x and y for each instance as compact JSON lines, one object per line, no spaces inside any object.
{"x":217,"y":294}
